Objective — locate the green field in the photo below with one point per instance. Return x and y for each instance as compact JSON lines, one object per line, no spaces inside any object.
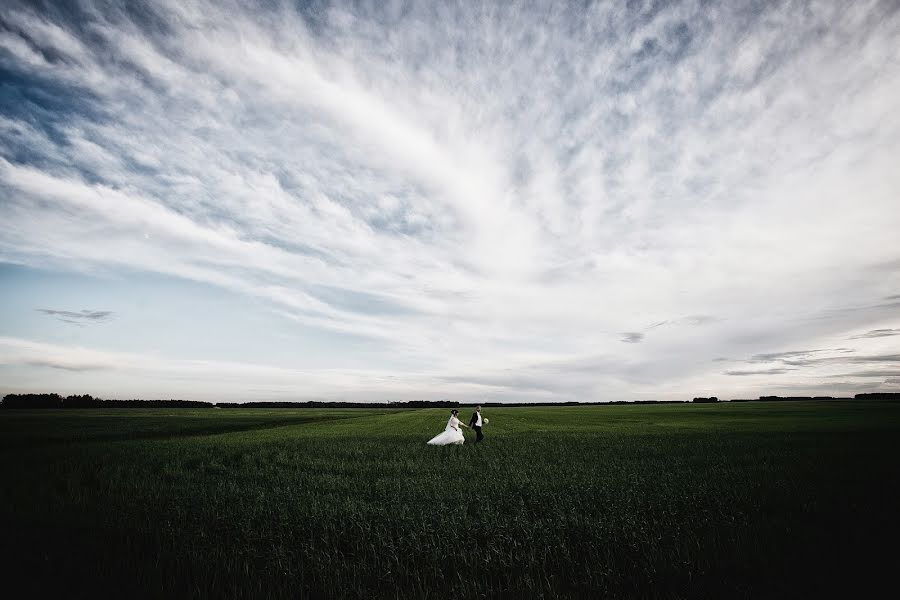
{"x":670,"y":501}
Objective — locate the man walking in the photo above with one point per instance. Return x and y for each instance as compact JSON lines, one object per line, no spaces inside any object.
{"x":475,"y":423}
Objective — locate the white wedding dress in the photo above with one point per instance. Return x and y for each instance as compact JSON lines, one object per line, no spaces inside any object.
{"x":452,"y":434}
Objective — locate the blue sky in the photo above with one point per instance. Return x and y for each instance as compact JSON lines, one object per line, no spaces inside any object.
{"x":499,"y":201}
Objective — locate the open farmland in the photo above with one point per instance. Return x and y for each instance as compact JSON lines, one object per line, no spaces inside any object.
{"x":728,"y":500}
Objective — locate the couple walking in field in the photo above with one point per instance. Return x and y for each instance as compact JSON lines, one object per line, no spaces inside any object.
{"x":453,"y":434}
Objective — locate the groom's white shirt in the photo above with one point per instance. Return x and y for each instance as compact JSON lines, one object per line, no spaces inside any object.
{"x":478,"y":419}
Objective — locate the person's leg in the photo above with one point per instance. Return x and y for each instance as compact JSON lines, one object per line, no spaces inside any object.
{"x":478,"y":435}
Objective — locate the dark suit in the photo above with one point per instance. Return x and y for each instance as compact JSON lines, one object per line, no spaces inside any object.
{"x":478,"y":435}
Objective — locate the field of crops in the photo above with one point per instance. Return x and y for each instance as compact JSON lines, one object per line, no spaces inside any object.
{"x":670,"y":501}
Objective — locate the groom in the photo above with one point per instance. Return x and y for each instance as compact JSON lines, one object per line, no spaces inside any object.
{"x":475,"y":423}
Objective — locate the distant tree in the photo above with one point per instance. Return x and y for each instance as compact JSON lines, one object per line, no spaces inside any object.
{"x":32,"y":401}
{"x":706,"y":400}
{"x":878,"y":396}
{"x":84,"y":401}
{"x":88,"y":401}
{"x":153,"y":404}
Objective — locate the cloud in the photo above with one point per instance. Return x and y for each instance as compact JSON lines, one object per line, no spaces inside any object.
{"x":691,"y":320}
{"x":873,"y":312}
{"x":473,"y":189}
{"x":700,"y":319}
{"x":775,"y":371}
{"x":65,"y":365}
{"x":875,"y":333}
{"x":868,"y":359}
{"x":82,"y":317}
{"x":878,"y":358}
{"x":112,"y":374}
{"x":869,"y":373}
{"x":14,"y":351}
{"x":790,"y":355}
{"x":799,"y":358}
{"x":632,"y":337}
{"x":807,"y":358}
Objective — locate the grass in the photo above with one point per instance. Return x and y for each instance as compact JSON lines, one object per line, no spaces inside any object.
{"x":669,"y":501}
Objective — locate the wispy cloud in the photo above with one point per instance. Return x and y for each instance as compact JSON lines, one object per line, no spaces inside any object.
{"x":76,"y":359}
{"x":691,"y":320}
{"x":774,"y":371}
{"x":795,"y":357}
{"x":876,"y":333}
{"x":855,"y":359}
{"x":82,"y":317}
{"x":64,"y":365}
{"x":111,"y":374}
{"x":870,"y":373}
{"x":473,"y":188}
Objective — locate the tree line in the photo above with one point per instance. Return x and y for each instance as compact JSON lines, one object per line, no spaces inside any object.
{"x":88,"y":401}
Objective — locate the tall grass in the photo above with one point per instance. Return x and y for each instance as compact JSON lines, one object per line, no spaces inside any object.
{"x":624,"y":501}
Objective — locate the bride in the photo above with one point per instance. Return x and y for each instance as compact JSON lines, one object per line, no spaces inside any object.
{"x":452,"y":434}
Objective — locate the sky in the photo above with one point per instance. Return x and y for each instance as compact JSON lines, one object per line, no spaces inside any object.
{"x":507,"y":201}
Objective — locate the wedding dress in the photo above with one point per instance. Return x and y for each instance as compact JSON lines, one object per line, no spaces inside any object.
{"x":452,"y":434}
